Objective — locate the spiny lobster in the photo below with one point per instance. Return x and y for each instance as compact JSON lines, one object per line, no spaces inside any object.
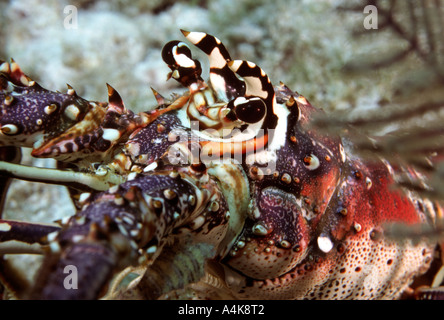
{"x":225,"y":192}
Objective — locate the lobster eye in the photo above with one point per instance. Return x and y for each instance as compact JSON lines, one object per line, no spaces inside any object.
{"x":249,"y":110}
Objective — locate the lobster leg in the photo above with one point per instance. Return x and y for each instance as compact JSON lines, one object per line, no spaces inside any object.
{"x":9,"y":154}
{"x":101,"y":180}
{"x":27,"y":233}
{"x":17,"y":238}
{"x":127,"y":223}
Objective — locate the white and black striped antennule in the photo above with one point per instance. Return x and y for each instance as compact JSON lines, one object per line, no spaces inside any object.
{"x":222,"y":79}
{"x":184,"y":69}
